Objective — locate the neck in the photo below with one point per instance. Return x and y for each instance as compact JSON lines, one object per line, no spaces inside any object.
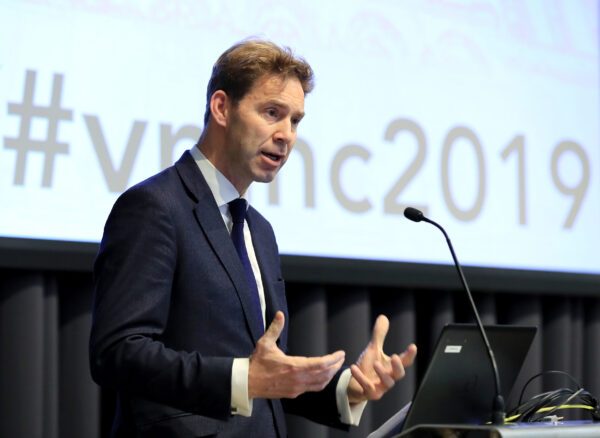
{"x":211,"y":148}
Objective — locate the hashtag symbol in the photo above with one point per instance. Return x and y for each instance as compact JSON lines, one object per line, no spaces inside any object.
{"x":24,"y":143}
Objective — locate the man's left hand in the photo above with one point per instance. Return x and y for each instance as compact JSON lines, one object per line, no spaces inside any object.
{"x":375,"y":372}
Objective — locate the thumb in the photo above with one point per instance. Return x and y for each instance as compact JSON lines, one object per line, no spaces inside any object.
{"x":382,"y":325}
{"x":275,"y":328}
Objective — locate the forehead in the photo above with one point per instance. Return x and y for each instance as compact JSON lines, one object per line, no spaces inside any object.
{"x":286,"y":91}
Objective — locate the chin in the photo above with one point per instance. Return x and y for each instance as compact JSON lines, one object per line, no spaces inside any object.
{"x":264,"y":178}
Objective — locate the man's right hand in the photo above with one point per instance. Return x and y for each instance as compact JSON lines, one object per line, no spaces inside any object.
{"x":272,"y":374}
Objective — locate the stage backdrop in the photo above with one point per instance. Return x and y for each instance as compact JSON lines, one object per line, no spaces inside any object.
{"x":484,"y":114}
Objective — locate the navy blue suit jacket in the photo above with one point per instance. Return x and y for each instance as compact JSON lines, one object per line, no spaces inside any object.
{"x":172,"y":308}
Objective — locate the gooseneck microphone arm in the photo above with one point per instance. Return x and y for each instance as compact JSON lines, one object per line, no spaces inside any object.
{"x":498,"y":413}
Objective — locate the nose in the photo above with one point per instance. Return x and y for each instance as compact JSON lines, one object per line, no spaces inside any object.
{"x":285,"y":133}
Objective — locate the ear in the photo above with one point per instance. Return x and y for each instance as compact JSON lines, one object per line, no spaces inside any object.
{"x":219,"y":107}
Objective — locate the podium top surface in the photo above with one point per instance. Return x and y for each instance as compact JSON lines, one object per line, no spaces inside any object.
{"x":565,"y":429}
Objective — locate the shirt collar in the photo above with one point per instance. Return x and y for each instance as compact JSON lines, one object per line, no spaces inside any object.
{"x":222,"y":189}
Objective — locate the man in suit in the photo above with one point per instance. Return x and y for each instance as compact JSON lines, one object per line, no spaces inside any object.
{"x":188,"y":278}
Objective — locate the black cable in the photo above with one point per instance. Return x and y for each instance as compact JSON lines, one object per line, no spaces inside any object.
{"x":548,"y":372}
{"x":550,"y":402}
{"x":558,"y":404}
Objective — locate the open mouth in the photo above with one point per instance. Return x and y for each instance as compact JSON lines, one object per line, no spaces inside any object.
{"x":273,"y":157}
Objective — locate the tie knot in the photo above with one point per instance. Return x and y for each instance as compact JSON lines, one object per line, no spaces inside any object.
{"x":237,"y":209}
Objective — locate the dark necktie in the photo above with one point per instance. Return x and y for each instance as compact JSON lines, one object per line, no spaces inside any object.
{"x":237,"y":209}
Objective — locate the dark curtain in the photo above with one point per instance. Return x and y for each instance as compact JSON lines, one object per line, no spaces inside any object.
{"x":45,"y":319}
{"x":44,"y":374}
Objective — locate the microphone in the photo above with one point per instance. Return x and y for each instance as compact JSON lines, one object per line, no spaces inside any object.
{"x":498,"y":408}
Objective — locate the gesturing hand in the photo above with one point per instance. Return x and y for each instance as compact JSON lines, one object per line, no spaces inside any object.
{"x":375,"y":372}
{"x":272,"y":374}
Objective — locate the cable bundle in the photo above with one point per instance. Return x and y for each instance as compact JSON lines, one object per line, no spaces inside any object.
{"x":545,"y":406}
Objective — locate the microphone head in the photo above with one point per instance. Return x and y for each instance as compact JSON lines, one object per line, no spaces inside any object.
{"x":413,"y":214}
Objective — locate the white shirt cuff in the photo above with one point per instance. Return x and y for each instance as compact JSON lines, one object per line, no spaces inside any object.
{"x":240,"y":403}
{"x":348,"y":414}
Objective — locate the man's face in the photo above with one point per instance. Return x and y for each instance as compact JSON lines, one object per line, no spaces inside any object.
{"x":261,"y":130}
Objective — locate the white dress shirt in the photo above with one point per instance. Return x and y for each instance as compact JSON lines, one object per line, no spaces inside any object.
{"x":224,"y":192}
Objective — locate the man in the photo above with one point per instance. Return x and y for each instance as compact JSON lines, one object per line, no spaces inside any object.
{"x":180,"y":304}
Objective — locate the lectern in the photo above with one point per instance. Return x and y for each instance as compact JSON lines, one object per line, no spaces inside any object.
{"x":567,"y":429}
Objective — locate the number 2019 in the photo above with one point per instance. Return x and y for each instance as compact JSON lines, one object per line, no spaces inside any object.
{"x":516,"y":147}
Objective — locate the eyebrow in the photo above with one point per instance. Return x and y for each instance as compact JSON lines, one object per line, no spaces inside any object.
{"x":300,"y":115}
{"x":281,"y":104}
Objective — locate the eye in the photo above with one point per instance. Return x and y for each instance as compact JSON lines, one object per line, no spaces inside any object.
{"x":272,"y":112}
{"x":296,"y":121}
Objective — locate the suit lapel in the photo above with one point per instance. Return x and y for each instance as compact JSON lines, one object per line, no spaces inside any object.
{"x":269,"y":270}
{"x":210,"y":220}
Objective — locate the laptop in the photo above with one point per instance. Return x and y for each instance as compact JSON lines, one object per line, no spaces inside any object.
{"x":458,"y":386}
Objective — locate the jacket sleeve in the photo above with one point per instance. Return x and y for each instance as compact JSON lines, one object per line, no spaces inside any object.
{"x":320,"y":407}
{"x":133,"y":276}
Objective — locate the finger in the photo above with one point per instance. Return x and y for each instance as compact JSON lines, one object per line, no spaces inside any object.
{"x":333,"y":360}
{"x":319,"y":384}
{"x":318,"y":381}
{"x":367,"y":385}
{"x":380,"y":329}
{"x":398,"y":370}
{"x":275,"y":328}
{"x":386,"y":379}
{"x":409,"y":355}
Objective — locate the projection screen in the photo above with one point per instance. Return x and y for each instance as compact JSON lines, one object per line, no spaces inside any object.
{"x":483,"y":114}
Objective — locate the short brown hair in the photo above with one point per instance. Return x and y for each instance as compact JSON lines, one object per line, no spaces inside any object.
{"x":238,"y":68}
